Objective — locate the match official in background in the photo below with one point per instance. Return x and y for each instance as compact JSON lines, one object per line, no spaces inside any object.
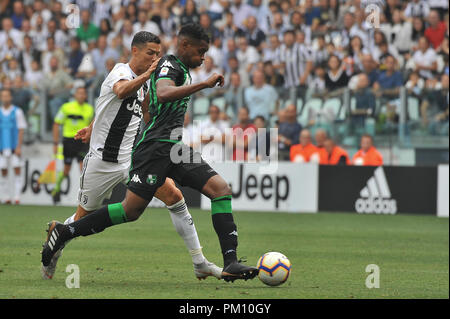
{"x":368,"y":155}
{"x":12,"y":126}
{"x":72,"y":116}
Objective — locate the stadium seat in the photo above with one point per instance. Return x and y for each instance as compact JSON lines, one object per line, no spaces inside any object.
{"x":220,"y":102}
{"x":201,"y":105}
{"x":314,"y":104}
{"x":335,"y":105}
{"x":413,"y":109}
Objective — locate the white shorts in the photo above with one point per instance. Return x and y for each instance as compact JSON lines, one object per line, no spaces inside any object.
{"x":11,"y":160}
{"x":98,"y":180}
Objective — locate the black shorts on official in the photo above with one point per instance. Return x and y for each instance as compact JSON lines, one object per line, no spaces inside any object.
{"x":74,"y":149}
{"x":153,"y":161}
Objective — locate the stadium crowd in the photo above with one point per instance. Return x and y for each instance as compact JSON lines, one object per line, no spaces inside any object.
{"x":269,"y":52}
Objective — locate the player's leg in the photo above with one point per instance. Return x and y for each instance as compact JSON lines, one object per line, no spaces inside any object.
{"x":199,"y":175}
{"x":4,"y":189}
{"x":16,"y":164}
{"x":184,"y":225}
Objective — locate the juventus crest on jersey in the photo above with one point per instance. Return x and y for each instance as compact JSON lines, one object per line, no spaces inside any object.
{"x":117,"y":120}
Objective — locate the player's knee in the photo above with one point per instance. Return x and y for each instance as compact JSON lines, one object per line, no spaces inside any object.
{"x":174,"y":197}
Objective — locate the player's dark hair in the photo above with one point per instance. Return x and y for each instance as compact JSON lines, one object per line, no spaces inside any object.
{"x":193,"y":31}
{"x":143,"y":37}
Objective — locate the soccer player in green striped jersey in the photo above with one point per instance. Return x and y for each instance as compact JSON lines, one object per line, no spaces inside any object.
{"x":159,"y":153}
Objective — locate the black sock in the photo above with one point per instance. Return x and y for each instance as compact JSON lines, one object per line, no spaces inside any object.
{"x":226,"y":230}
{"x":92,"y":223}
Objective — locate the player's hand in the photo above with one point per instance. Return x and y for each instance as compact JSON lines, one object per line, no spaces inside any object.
{"x":152,"y":68}
{"x":84,"y":135}
{"x":215,"y":79}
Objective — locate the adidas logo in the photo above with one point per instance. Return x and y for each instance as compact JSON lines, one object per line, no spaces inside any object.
{"x":136,"y":179}
{"x":376,"y":196}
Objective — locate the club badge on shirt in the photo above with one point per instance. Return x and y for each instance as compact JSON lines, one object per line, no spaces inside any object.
{"x":164,"y":71}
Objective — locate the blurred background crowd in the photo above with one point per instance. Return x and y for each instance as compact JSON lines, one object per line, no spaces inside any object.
{"x":352,"y":70}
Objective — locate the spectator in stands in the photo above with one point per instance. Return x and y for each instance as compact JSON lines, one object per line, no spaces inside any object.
{"x":415,"y":85}
{"x":102,"y":53}
{"x":210,"y":29}
{"x":336,"y":77}
{"x":247,"y":55}
{"x":190,"y":14}
{"x":61,"y":39}
{"x":435,"y":33}
{"x":273,"y":78}
{"x":400,"y":32}
{"x":365,"y":102}
{"x":305,"y":151}
{"x":261,"y":98}
{"x":369,"y":68}
{"x":435,"y":101}
{"x":288,"y":131}
{"x":12,"y":126}
{"x":228,"y":29}
{"x":241,"y":12}
{"x":87,"y":30}
{"x":35,"y":76}
{"x":57,"y":84}
{"x":262,"y":14}
{"x":22,"y":96}
{"x":255,"y":36}
{"x":212,"y":136}
{"x":145,"y":24}
{"x":75,"y":56}
{"x":368,"y":155}
{"x":320,"y":136}
{"x":28,"y":54}
{"x":259,"y":148}
{"x":39,"y":34}
{"x":8,"y":31}
{"x":336,"y":154}
{"x":234,"y":95}
{"x":425,"y":59}
{"x":18,"y":14}
{"x":52,"y":51}
{"x":242,"y":134}
{"x":270,"y":50}
{"x":417,"y":8}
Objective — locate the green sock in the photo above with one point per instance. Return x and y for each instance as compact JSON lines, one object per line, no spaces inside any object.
{"x":225,"y":227}
{"x":117,"y":214}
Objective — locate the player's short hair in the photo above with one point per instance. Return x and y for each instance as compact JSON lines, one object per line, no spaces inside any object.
{"x":194,"y":31}
{"x":143,"y":37}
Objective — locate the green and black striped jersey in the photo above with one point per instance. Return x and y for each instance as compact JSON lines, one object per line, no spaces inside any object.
{"x":166,"y":119}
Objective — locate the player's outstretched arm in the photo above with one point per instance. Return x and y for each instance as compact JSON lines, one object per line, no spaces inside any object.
{"x":167,"y":91}
{"x":125,"y":88}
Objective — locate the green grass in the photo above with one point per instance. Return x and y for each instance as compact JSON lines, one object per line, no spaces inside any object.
{"x":147,"y":259}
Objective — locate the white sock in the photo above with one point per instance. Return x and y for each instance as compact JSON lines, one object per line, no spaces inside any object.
{"x":69,"y":220}
{"x":4,"y":188}
{"x":184,"y":225}
{"x":17,"y":187}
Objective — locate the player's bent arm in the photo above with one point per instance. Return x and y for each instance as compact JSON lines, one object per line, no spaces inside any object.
{"x":167,"y":91}
{"x":19,"y":142}
{"x":125,"y":88}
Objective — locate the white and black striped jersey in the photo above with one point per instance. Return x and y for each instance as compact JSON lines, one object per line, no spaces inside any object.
{"x":294,"y":60}
{"x":117,"y":120}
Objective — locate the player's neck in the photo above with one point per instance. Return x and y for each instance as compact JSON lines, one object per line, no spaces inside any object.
{"x":134,"y":67}
{"x":181,"y":59}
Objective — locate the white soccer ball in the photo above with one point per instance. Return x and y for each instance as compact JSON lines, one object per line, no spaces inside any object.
{"x":274,"y":268}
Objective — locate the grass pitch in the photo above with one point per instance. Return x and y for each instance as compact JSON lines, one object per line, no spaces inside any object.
{"x":147,"y":259}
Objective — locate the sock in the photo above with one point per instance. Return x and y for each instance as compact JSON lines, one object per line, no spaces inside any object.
{"x":225,"y":228}
{"x":97,"y":221}
{"x":59,"y":180}
{"x":17,"y":187}
{"x":4,"y":188}
{"x":184,"y":225}
{"x":70,"y":220}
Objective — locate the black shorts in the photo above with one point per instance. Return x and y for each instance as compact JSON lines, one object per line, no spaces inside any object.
{"x":74,"y":149}
{"x":152,"y":162}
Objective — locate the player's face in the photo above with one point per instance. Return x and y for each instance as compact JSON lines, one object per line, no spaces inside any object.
{"x":196,"y":53}
{"x":147,"y":54}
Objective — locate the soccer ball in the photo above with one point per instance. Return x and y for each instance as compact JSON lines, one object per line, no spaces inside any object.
{"x":274,"y":268}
